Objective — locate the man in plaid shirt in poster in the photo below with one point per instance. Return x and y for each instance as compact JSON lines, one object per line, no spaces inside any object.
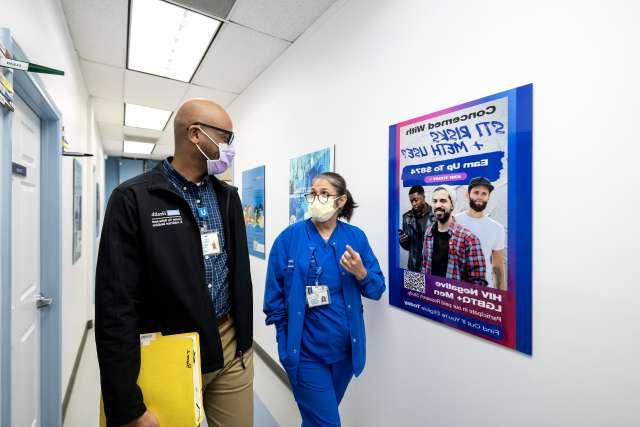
{"x":451,"y":250}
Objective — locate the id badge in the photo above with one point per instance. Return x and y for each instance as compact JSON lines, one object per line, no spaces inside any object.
{"x":210,"y":243}
{"x":318,"y":295}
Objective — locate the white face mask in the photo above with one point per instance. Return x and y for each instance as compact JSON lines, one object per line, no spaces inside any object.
{"x":322,"y":212}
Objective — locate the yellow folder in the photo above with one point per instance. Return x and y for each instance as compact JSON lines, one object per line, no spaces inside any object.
{"x":170,"y":379}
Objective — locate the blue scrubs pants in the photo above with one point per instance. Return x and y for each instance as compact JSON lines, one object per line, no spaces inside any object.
{"x":319,"y":390}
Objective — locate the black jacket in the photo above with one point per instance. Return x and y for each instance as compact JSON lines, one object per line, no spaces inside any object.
{"x":415,"y":227}
{"x":151,"y":279}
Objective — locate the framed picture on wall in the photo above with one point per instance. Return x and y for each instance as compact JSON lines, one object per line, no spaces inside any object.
{"x":98,"y":212}
{"x":460,"y":217}
{"x":302,"y":170}
{"x":253,"y":206}
{"x":77,"y":210}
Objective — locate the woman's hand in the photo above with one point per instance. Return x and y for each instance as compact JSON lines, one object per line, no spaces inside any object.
{"x":351,"y":261}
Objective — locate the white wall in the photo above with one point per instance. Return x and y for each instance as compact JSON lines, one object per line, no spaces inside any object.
{"x":40,"y":28}
{"x":97,"y":172}
{"x":370,"y":63}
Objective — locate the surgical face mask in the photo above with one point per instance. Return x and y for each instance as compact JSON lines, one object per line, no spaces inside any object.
{"x":322,"y":212}
{"x":222,"y":163}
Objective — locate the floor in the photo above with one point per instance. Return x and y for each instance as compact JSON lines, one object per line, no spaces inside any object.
{"x":83,"y":409}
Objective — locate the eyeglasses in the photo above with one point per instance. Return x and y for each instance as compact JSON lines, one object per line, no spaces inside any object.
{"x":322,"y":198}
{"x":225,"y":136}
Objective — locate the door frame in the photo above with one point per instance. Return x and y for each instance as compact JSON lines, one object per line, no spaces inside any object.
{"x":31,"y":89}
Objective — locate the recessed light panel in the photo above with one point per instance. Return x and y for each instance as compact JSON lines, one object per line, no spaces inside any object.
{"x":137,"y":147}
{"x":168,"y":40}
{"x":140,"y":116}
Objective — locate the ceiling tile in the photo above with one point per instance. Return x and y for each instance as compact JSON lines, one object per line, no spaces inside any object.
{"x":103,"y":81}
{"x":112,"y":146}
{"x":236,"y":57}
{"x":162,"y":150}
{"x":169,"y":128}
{"x":285,"y":19}
{"x":215,"y":9}
{"x":142,"y":133}
{"x":111,"y":112}
{"x":153,"y":91}
{"x":218,"y":96}
{"x":111,"y":131}
{"x":167,"y":137}
{"x":99,"y":29}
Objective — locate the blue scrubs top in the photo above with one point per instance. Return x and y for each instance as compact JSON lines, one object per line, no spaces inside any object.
{"x":285,"y":301}
{"x":325,"y":335}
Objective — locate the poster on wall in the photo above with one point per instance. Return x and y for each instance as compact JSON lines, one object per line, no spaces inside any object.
{"x":460,"y":217}
{"x":98,"y":209}
{"x":253,"y":206}
{"x":77,"y":210}
{"x":302,"y":170}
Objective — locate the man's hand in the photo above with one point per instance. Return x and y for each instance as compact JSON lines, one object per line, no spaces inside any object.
{"x":146,"y":420}
{"x":403,"y":237}
{"x":351,"y":261}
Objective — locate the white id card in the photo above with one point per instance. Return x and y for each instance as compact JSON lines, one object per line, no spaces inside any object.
{"x":210,"y":243}
{"x":318,"y":295}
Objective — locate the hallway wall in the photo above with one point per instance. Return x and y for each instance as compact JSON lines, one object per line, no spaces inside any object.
{"x":367,"y":64}
{"x":40,"y":28}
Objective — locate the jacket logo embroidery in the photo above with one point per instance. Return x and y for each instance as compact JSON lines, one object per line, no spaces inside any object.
{"x":165,"y":218}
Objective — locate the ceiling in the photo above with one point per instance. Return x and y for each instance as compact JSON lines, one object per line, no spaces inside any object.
{"x":253,"y":35}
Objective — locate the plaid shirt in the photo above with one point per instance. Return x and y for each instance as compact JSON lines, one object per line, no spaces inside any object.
{"x":197,"y":196}
{"x":465,"y":261}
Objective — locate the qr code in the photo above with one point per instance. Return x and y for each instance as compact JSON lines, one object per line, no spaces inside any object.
{"x":414,"y":281}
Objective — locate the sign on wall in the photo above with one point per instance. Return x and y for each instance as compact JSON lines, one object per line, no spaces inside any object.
{"x":462,"y":256}
{"x":98,"y":210}
{"x":253,"y":205}
{"x":302,"y":170}
{"x":77,"y":210}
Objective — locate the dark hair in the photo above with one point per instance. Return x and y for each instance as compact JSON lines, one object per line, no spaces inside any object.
{"x":417,"y":189}
{"x":340,"y":184}
{"x":448,"y":193}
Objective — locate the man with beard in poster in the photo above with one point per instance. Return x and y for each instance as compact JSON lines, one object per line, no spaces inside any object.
{"x":414,"y":224}
{"x":490,"y":232}
{"x":450,"y":250}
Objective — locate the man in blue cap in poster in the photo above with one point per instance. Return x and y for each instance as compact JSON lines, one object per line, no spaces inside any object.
{"x":490,"y":232}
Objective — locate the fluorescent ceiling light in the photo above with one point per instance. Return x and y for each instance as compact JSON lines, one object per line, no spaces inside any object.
{"x":168,"y":40}
{"x":139,"y":116}
{"x":137,"y":147}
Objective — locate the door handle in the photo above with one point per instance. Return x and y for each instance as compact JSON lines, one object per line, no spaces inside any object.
{"x":42,"y":301}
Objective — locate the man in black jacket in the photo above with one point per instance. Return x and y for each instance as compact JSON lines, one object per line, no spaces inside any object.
{"x":173,"y":258}
{"x":414,"y":224}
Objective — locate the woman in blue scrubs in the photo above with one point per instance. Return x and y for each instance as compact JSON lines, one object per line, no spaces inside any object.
{"x":318,"y":270}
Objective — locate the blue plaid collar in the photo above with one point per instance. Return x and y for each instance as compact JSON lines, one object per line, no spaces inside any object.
{"x":175,"y":176}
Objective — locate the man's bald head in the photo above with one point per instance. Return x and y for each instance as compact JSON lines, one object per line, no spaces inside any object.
{"x":199,"y":110}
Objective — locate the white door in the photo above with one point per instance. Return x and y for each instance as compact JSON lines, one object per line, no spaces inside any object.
{"x":25,"y":268}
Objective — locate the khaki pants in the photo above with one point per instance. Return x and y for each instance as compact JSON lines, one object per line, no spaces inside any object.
{"x":228,"y":392}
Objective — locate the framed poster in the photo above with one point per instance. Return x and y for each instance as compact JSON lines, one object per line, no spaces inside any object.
{"x":302,"y":170}
{"x":461,"y":255}
{"x":253,"y":206}
{"x":77,"y":210}
{"x":98,"y":209}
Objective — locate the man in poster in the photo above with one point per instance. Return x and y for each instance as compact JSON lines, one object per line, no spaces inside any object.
{"x":490,"y":232}
{"x":450,"y":250}
{"x":414,"y":224}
